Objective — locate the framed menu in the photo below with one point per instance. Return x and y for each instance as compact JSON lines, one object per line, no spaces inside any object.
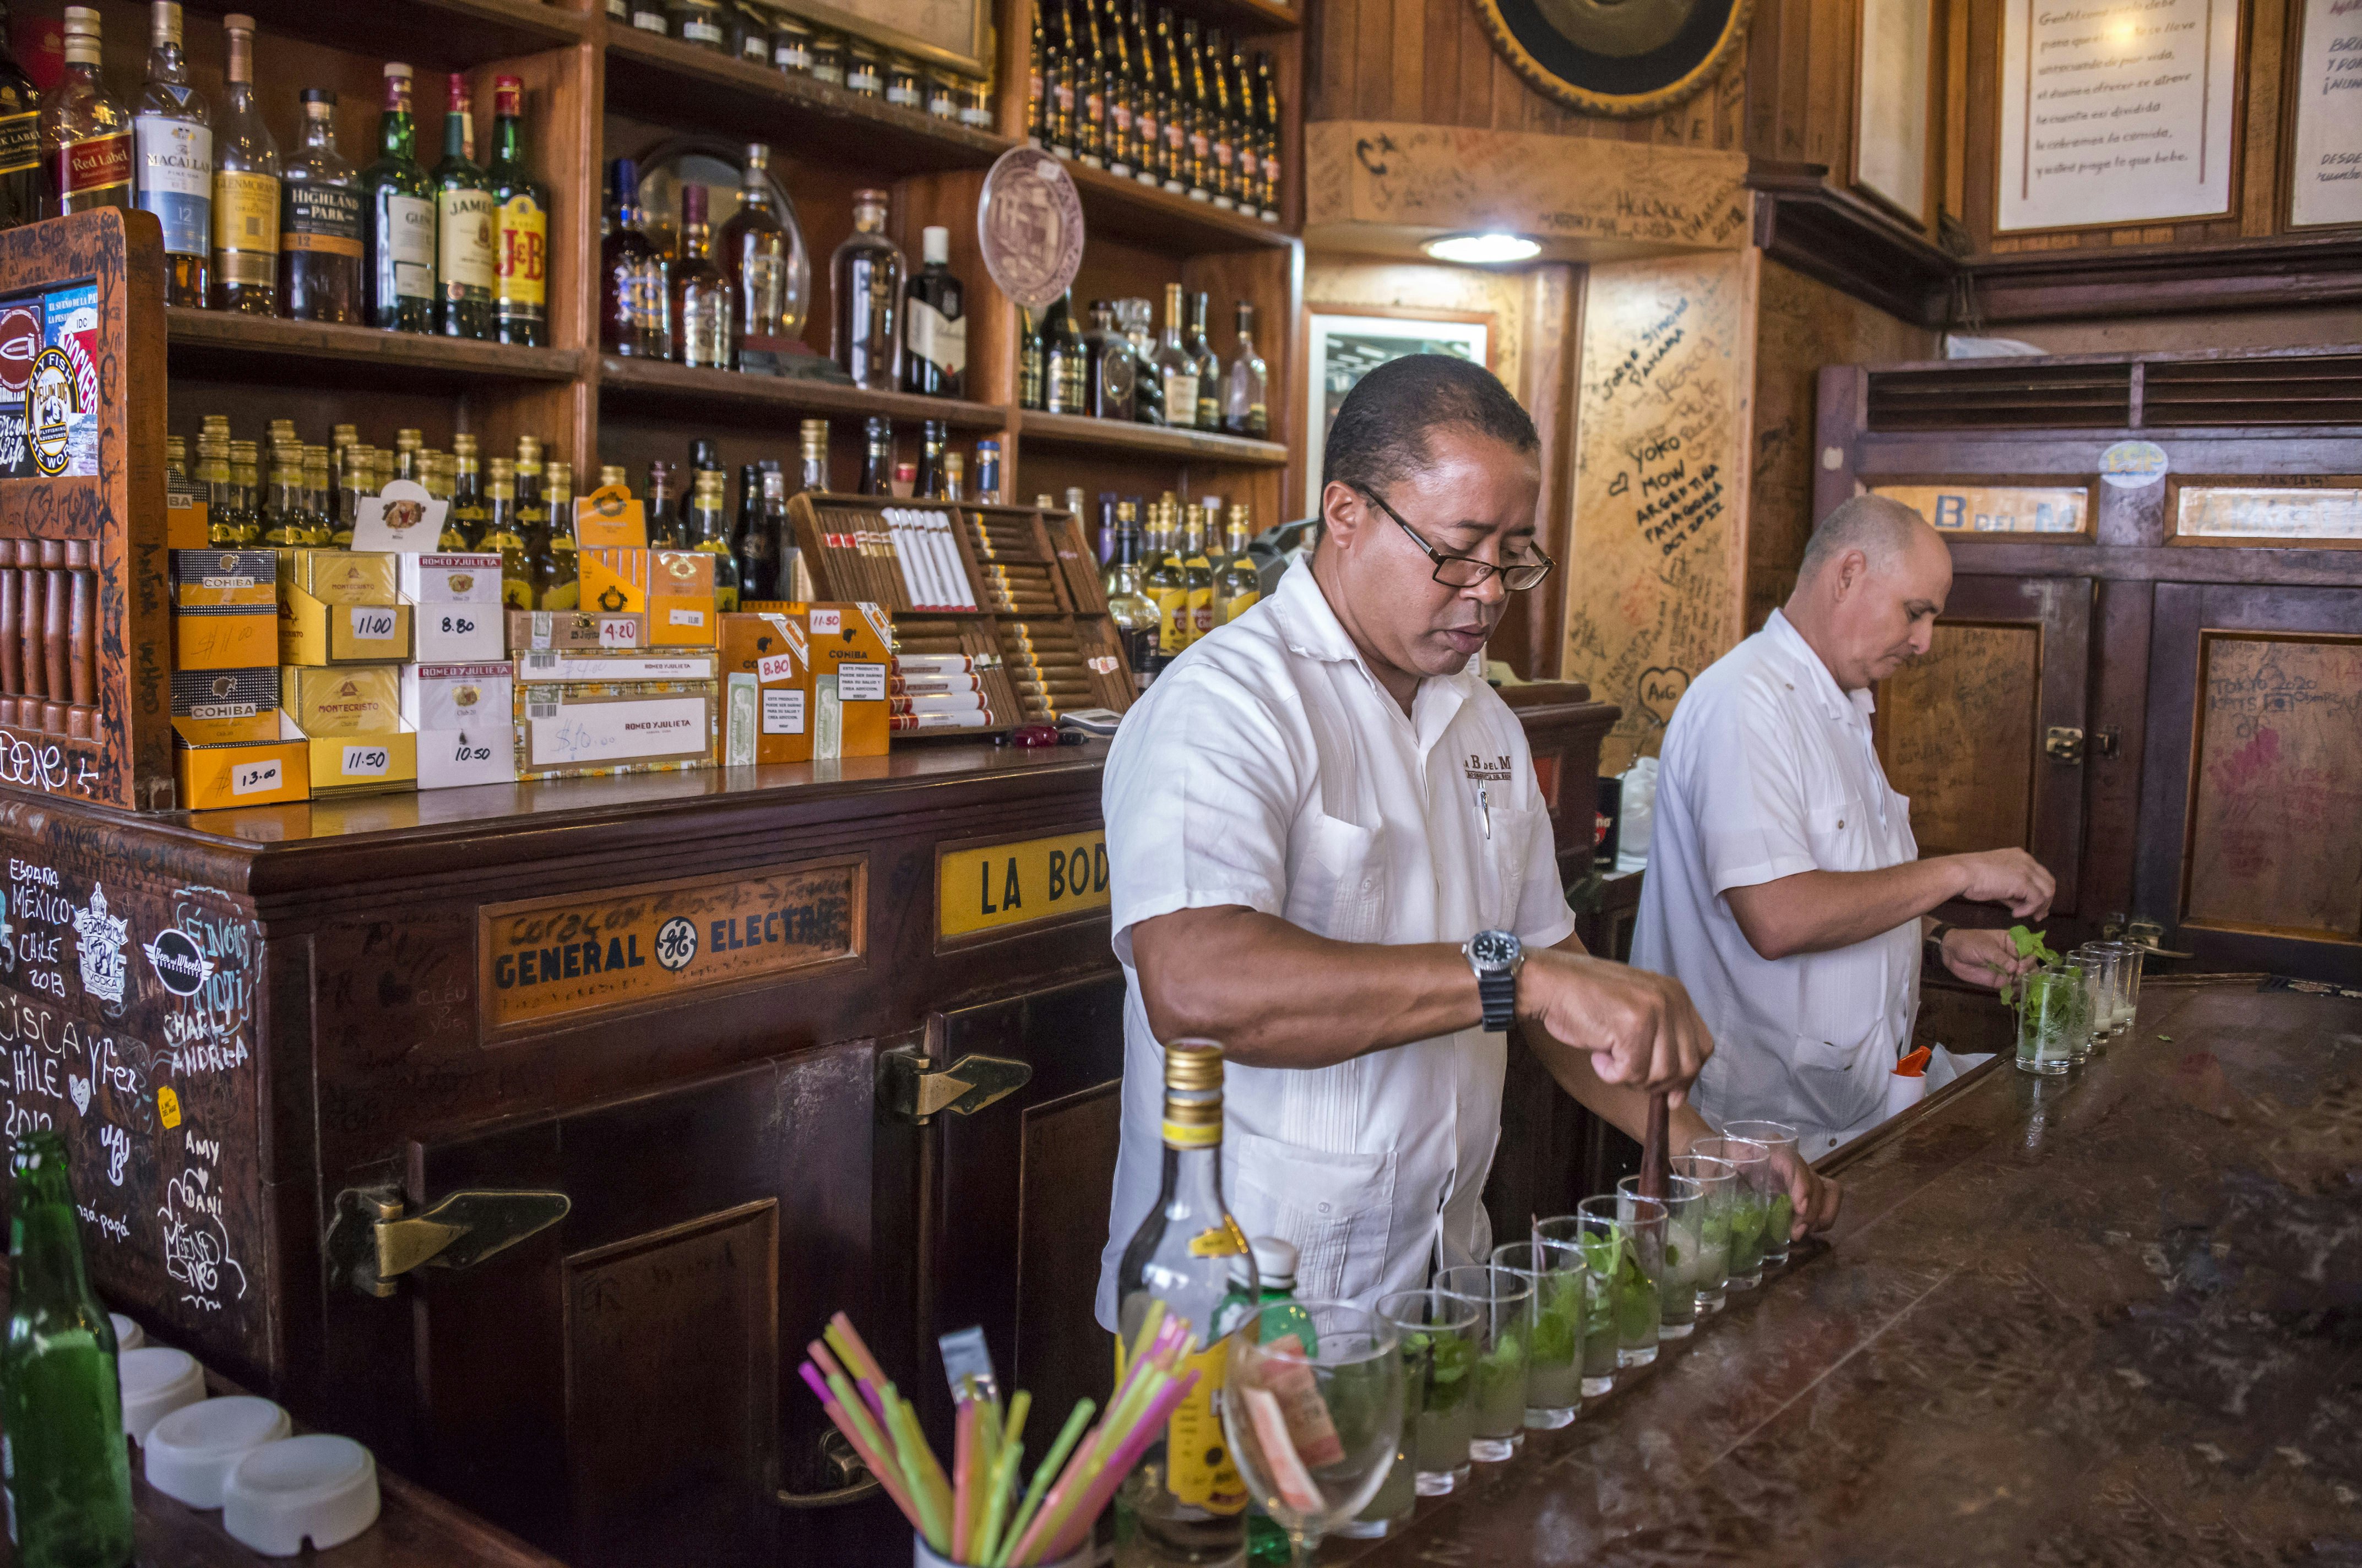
{"x":1890,"y":107}
{"x":2325,"y":175}
{"x":2116,"y":110}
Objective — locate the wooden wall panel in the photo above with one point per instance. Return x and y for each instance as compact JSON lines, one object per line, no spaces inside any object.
{"x":1958,"y":731}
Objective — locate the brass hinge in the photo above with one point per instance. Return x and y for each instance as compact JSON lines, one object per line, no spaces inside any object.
{"x":373,"y":1242}
{"x":2063,"y":744}
{"x":917,"y":1091}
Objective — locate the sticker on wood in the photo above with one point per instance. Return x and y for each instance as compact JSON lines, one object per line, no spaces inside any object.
{"x":2248,"y":512}
{"x":1958,"y":731}
{"x":1995,"y":509}
{"x":2276,"y":819}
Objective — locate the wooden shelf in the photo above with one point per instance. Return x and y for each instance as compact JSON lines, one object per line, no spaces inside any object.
{"x":661,"y":388}
{"x":223,"y":343}
{"x":446,"y":35}
{"x":1248,"y":17}
{"x":1077,"y":432}
{"x":1120,"y":208}
{"x":680,"y":85}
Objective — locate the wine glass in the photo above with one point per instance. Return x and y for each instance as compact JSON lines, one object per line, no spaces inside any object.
{"x":1313,"y":1427}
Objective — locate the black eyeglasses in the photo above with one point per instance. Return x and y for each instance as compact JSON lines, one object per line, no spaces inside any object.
{"x":1466,"y":571}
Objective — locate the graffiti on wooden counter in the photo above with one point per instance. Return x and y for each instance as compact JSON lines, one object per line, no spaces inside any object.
{"x":168,"y":1106}
{"x":225,"y":944}
{"x":110,"y":1227}
{"x":117,"y":1145}
{"x":181,"y":966}
{"x":100,"y":937}
{"x":40,"y":763}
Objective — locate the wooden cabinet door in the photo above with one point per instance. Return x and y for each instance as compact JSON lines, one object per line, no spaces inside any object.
{"x":1962,"y":732}
{"x":2251,"y":810}
{"x":620,"y":1388}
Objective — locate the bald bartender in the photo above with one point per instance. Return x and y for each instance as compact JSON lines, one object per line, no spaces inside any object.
{"x":1327,"y":852}
{"x":1785,"y":888}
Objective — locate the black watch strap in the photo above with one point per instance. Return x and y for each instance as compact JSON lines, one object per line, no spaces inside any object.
{"x":1498,"y":992}
{"x":1935,"y":940}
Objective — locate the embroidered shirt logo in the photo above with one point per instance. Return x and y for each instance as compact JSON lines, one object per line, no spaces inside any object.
{"x":1482,"y":769}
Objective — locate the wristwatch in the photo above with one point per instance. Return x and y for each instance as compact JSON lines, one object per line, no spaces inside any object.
{"x":1934,"y":942}
{"x":1497,"y":957}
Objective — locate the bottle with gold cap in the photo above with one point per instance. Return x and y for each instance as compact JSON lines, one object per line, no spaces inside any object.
{"x":287,"y":528}
{"x":407,"y":446}
{"x":1198,"y":572}
{"x":533,"y":513}
{"x":1166,"y":581}
{"x":442,"y":478}
{"x":468,"y":513}
{"x":709,"y":532}
{"x":1237,"y":585}
{"x":224,"y":517}
{"x":558,"y":583}
{"x":1184,"y":1501}
{"x":500,"y":534}
{"x":613,"y":474}
{"x":335,"y":525}
{"x":176,"y":457}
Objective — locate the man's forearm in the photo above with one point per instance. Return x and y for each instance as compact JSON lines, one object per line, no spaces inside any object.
{"x":1814,"y":911}
{"x":1625,"y":1106}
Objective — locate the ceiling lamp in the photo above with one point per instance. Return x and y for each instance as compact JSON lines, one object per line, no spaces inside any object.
{"x":1483,"y":249}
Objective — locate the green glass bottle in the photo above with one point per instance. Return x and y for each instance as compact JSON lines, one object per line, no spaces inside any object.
{"x":466,"y":230}
{"x":399,"y":231}
{"x":69,"y":1471}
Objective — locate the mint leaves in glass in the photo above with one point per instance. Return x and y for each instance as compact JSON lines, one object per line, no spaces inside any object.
{"x":1561,"y":1302}
{"x":1677,"y":1282}
{"x":1439,"y":1347}
{"x":1750,"y":1202}
{"x":1633,"y":1261}
{"x":1505,"y":1305}
{"x":1781,"y":1139}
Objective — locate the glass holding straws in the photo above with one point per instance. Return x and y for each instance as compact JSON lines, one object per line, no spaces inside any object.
{"x":1314,"y":1429}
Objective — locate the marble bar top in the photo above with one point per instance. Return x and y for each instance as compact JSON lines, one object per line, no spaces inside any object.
{"x":2111,"y":1318}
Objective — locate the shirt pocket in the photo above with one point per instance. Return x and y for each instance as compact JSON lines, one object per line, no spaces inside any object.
{"x":1837,"y":834}
{"x":1336,"y":1208}
{"x":1340,"y":890}
{"x":1840,"y":1084}
{"x":1505,"y":856}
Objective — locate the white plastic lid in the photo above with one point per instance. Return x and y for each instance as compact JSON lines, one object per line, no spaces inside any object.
{"x":191,"y":1453}
{"x":1274,"y":1262}
{"x":128,"y":1335}
{"x":935,"y":244}
{"x":318,"y":1486}
{"x":156,"y":1381}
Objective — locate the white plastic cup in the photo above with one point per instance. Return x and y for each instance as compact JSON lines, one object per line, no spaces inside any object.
{"x":128,"y":1335}
{"x":156,"y":1382}
{"x":318,"y":1488}
{"x":191,"y":1453}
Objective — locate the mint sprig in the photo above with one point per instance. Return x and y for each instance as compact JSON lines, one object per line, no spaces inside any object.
{"x":2029,"y":945}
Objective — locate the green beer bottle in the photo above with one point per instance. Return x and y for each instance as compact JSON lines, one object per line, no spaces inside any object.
{"x":68,"y":1470}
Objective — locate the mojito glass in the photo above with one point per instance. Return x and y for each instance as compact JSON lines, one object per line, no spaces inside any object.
{"x":1677,"y":1285}
{"x":2124,"y":996}
{"x":2103,"y":978}
{"x":1714,"y":1178}
{"x":1397,"y":1495}
{"x":1440,"y":1336}
{"x":2080,"y":1026}
{"x":1637,"y":1267}
{"x":1751,"y":1190}
{"x":1600,"y":1241}
{"x":1561,"y":1304}
{"x":1780,"y":1137}
{"x":2046,"y":1016}
{"x":1505,"y":1323}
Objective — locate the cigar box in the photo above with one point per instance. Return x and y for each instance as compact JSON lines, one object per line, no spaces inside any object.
{"x":341,"y":577}
{"x":673,"y":588}
{"x":227,"y":638}
{"x":850,"y":665}
{"x":342,"y":699}
{"x":314,"y":632}
{"x":464,"y":715}
{"x":358,"y":765}
{"x":457,"y":599}
{"x":617,"y":664}
{"x":209,"y":695}
{"x":562,"y":631}
{"x":224,"y":579}
{"x":766,"y":667}
{"x":188,"y":516}
{"x":579,"y":729}
{"x":243,"y":761}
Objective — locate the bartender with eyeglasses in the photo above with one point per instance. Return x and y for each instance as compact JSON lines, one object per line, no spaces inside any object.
{"x":1328,"y":851}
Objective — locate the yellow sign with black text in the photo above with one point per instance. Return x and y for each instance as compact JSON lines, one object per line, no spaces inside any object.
{"x":998,"y":885}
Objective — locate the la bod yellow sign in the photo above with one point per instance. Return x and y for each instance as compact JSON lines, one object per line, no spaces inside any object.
{"x":998,"y":886}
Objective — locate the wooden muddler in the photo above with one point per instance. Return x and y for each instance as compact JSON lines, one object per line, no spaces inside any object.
{"x":1656,"y":1163}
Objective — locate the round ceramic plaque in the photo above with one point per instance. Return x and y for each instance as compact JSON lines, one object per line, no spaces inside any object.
{"x":1028,"y":223}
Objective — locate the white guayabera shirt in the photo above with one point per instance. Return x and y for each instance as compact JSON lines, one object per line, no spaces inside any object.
{"x":1769,"y":770}
{"x":1268,"y":768}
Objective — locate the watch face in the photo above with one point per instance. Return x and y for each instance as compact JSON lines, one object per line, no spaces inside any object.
{"x":1492,"y":950}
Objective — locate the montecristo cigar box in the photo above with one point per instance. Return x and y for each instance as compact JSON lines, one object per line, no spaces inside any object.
{"x":343,"y":699}
{"x":340,"y":576}
{"x":617,"y":723}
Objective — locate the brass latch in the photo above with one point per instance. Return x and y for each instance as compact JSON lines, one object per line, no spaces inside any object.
{"x":917,"y":1091}
{"x":371,"y":1242}
{"x":2063,"y":744}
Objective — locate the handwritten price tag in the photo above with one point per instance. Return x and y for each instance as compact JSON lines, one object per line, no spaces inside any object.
{"x":371,"y":623}
{"x":618,"y":632}
{"x":255,"y":778}
{"x":778,"y":667}
{"x":453,"y":626}
{"x":366,"y":762}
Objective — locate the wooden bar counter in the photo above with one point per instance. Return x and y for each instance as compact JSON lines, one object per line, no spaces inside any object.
{"x":2106,"y":1317}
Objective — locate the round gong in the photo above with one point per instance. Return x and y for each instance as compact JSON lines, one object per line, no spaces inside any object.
{"x":1626,"y":58}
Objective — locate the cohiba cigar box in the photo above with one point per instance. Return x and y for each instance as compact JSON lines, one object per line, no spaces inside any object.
{"x":577,"y":729}
{"x":224,"y":609}
{"x":224,"y":579}
{"x":188,"y":514}
{"x":768,"y":673}
{"x":226,"y":694}
{"x":238,"y":762}
{"x":563,"y":631}
{"x":464,"y":716}
{"x":343,"y":699}
{"x":341,"y":577}
{"x":851,"y":661}
{"x":674,"y":588}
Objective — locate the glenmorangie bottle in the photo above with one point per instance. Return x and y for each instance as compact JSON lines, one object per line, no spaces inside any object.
{"x":1184,"y":1501}
{"x":245,"y":188}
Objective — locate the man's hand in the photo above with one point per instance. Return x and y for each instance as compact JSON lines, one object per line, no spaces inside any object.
{"x":2010,"y":877}
{"x":1640,"y":1027}
{"x":1983,"y":957}
{"x":1815,"y":1199}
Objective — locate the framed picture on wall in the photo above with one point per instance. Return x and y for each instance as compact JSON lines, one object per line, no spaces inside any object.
{"x":2325,"y":168}
{"x":1893,"y":102}
{"x":1345,"y":343}
{"x":956,"y":33}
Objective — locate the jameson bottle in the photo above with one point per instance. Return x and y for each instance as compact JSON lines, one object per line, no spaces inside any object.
{"x":245,"y":188}
{"x":69,"y":1472}
{"x":320,"y":250}
{"x":521,"y":290}
{"x":85,"y":134}
{"x":1185,"y":1502}
{"x":467,"y":252}
{"x":173,"y":138}
{"x":20,"y":138}
{"x":399,"y":225}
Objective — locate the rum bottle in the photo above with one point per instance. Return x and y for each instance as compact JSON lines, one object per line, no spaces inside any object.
{"x":245,"y":188}
{"x":173,"y":138}
{"x":1064,"y":384}
{"x":934,"y":322}
{"x":709,"y":533}
{"x":468,"y":513}
{"x":1175,"y":103}
{"x":521,"y":286}
{"x":320,"y":249}
{"x":467,"y":252}
{"x":664,"y":524}
{"x":1237,"y":585}
{"x":1221,"y":130}
{"x":85,"y":135}
{"x":1210,"y":367}
{"x":865,"y":290}
{"x":876,"y":457}
{"x":399,"y":225}
{"x":557,"y":570}
{"x":502,"y":534}
{"x":756,"y":547}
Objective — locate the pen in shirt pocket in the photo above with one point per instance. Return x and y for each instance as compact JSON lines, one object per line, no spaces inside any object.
{"x":1484,"y":810}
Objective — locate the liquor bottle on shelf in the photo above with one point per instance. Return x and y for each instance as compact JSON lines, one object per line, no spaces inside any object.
{"x":520,"y":277}
{"x":1172,"y":78}
{"x":1267,"y":110}
{"x":1109,"y":372}
{"x":1164,"y":580}
{"x":1133,"y":318}
{"x":780,"y":535}
{"x":906,"y":480}
{"x":556,"y":580}
{"x":245,"y":188}
{"x":1174,"y":367}
{"x":1197,"y":571}
{"x":1032,"y":384}
{"x":876,"y":457}
{"x":665,"y":530}
{"x":23,"y":183}
{"x":470,"y":514}
{"x":703,"y":311}
{"x":955,"y":487}
{"x":1221,"y":127}
{"x":1064,"y":383}
{"x":1246,"y":141}
{"x":934,"y":322}
{"x":756,"y":546}
{"x":1148,"y":101}
{"x":173,"y":136}
{"x":502,"y":534}
{"x":704,"y":457}
{"x":1246,"y":387}
{"x":1122,"y":90}
{"x":443,"y":484}
{"x":634,"y":289}
{"x":1209,"y":367}
{"x":1199,"y":179}
{"x":69,"y":1474}
{"x":288,"y":527}
{"x":532,"y":509}
{"x":865,"y":69}
{"x":1133,"y":612}
{"x":1037,"y":100}
{"x":399,"y":238}
{"x":866,"y":289}
{"x":320,"y":249}
{"x":1091,"y":64}
{"x":754,"y":252}
{"x":86,"y":136}
{"x":467,"y":254}
{"x":650,"y":16}
{"x":320,"y":496}
{"x":811,"y":440}
{"x":1237,"y":585}
{"x":1064,"y":83}
{"x":700,"y":22}
{"x":987,"y":473}
{"x":927,"y":484}
{"x":709,"y":531}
